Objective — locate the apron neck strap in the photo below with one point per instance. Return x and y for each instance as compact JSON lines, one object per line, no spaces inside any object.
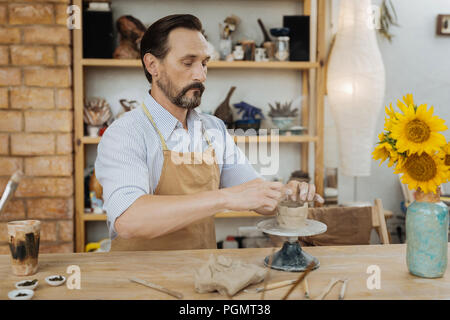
{"x":149,"y":116}
{"x":163,"y":142}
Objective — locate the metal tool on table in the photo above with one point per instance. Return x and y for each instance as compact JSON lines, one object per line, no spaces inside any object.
{"x":175,"y":294}
{"x":291,"y":257}
{"x":10,"y":189}
{"x":330,"y":286}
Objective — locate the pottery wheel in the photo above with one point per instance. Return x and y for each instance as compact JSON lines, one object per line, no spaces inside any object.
{"x":311,"y":228}
{"x":291,"y":257}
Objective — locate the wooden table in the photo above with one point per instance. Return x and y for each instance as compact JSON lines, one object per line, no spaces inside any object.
{"x":105,"y":275}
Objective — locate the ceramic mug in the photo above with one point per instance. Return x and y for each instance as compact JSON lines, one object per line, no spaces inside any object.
{"x":23,"y":238}
{"x":260,"y":54}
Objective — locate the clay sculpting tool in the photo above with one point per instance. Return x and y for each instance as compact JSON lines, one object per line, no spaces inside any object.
{"x":309,"y":268}
{"x":157,"y":287}
{"x":10,"y":189}
{"x":271,"y":286}
{"x":328,"y":288}
{"x":266,"y":280}
{"x":344,"y":286}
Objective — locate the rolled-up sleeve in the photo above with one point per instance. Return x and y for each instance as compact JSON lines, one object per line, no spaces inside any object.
{"x":236,"y":168}
{"x":122,"y":171}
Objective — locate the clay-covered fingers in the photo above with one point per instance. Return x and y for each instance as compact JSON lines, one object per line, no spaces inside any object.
{"x":318,"y":198}
{"x":308,"y":193}
{"x":311,"y":192}
{"x":291,"y":189}
{"x":304,"y":190}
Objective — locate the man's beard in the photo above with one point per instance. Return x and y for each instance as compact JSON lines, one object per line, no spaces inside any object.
{"x":180,"y":98}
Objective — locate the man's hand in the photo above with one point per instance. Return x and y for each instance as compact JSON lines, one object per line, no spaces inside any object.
{"x":264,"y":196}
{"x":302,"y":191}
{"x":253,"y":195}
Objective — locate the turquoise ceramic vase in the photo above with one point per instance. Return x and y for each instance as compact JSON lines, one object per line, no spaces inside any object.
{"x":427,"y":236}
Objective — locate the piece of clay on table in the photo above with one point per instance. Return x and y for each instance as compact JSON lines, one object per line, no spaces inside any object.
{"x":227,"y":276}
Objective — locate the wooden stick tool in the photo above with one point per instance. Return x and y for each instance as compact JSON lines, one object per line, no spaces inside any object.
{"x":157,"y":287}
{"x":300,"y":279}
{"x":328,"y":288}
{"x":271,"y":286}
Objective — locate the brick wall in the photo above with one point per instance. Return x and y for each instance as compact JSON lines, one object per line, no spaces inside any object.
{"x":36,"y":118}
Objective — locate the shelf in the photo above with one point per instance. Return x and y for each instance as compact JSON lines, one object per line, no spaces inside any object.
{"x":285,"y":65}
{"x":281,"y":139}
{"x":94,"y":217}
{"x":252,"y":139}
{"x":229,"y":214}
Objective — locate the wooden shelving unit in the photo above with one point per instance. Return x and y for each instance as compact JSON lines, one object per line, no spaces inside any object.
{"x":288,"y":65}
{"x":315,"y":129}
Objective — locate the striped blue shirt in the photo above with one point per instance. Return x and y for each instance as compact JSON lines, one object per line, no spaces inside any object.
{"x":130,"y":158}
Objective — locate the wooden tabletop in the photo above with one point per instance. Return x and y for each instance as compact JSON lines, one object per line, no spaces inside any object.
{"x":106,"y":275}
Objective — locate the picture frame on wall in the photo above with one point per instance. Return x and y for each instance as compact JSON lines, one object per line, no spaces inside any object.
{"x":443,"y":24}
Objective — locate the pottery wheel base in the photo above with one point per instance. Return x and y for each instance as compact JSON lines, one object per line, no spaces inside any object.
{"x":291,"y":258}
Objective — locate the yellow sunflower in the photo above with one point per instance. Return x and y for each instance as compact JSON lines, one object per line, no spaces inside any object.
{"x":408,"y":101}
{"x":423,"y":171}
{"x":416,"y":131}
{"x":444,"y":155}
{"x":384,"y":151}
{"x":389,"y":121}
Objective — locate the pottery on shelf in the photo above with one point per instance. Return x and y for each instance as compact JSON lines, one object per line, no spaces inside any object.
{"x":283,"y":123}
{"x":224,"y":111}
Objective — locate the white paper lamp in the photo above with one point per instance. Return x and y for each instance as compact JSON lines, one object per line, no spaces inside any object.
{"x":355,"y":84}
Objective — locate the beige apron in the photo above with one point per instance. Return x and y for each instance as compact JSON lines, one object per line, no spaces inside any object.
{"x":181,"y":179}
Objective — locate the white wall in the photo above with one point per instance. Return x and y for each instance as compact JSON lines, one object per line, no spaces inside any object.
{"x":417,"y":61}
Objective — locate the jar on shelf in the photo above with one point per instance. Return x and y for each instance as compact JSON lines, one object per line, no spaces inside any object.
{"x":282,"y":48}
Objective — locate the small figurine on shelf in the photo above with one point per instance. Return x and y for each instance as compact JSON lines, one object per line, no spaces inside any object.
{"x":281,"y":43}
{"x":96,"y":204}
{"x":249,"y":114}
{"x":226,"y":29}
{"x":238,"y":53}
{"x":127,"y":105}
{"x":96,"y":113}
{"x":131,"y":31}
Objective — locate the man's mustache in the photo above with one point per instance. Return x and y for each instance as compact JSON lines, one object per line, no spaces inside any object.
{"x":195,"y":85}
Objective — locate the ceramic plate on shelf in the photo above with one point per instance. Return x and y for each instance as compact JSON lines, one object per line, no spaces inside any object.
{"x":27,"y":284}
{"x":55,"y":280}
{"x":21,"y":294}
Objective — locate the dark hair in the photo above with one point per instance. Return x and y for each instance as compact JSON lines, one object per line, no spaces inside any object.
{"x":155,"y":38}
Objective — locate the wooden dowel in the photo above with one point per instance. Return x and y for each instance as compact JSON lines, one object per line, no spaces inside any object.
{"x":300,"y":279}
{"x":158,"y":287}
{"x":306,"y":288}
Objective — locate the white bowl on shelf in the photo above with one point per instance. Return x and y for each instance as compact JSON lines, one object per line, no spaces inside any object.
{"x":28,"y":294}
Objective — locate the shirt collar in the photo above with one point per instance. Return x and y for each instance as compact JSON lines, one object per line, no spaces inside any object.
{"x":164,"y":120}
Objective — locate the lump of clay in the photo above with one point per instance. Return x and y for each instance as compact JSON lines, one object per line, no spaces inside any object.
{"x":291,"y":215}
{"x":226,"y":276}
